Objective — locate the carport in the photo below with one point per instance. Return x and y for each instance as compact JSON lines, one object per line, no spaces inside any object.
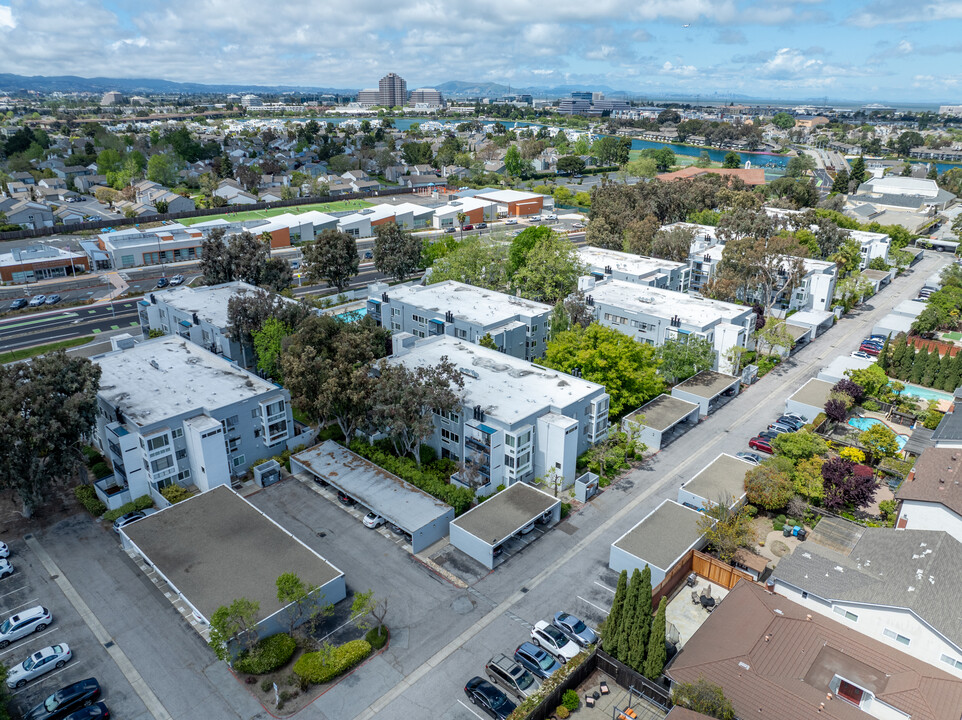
{"x":835,"y":370}
{"x":706,"y":389}
{"x":801,"y":334}
{"x":215,"y":547}
{"x":660,"y":540}
{"x":893,"y":324}
{"x":878,"y":278}
{"x":660,"y":421}
{"x":722,"y":477}
{"x":482,"y":529}
{"x":818,"y":320}
{"x":809,"y":400}
{"x":422,"y":516}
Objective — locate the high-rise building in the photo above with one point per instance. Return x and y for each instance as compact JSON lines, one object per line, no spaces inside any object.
{"x":392,"y":90}
{"x":426,"y":96}
{"x":369,"y":97}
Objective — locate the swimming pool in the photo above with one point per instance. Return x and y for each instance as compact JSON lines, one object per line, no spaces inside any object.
{"x":352,"y":315}
{"x":925,"y":393}
{"x":864,"y":423}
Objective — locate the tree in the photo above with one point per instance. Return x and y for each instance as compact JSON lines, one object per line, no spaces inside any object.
{"x":872,"y":379}
{"x":162,"y":168}
{"x":642,"y":167}
{"x":783,"y":121}
{"x":908,"y":140}
{"x":571,"y":165}
{"x":836,"y":410}
{"x":641,"y":626}
{"x":396,"y":253}
{"x":237,"y":621}
{"x":732,"y":160}
{"x":277,"y":275}
{"x":626,"y":367}
{"x":704,"y":160}
{"x":799,"y":445}
{"x":850,"y":388}
{"x":405,"y":400}
{"x":364,"y":604}
{"x":727,"y":529}
{"x":759,"y":267}
{"x":514,"y":164}
{"x":769,"y":485}
{"x":523,"y":244}
{"x":486,"y":341}
{"x":267,"y":346}
{"x":109,"y":160}
{"x":550,"y":271}
{"x":840,"y":184}
{"x":48,"y":407}
{"x":703,"y":697}
{"x":881,"y":441}
{"x":628,"y":614}
{"x":858,"y":174}
{"x":657,"y":652}
{"x":417,"y":153}
{"x":844,"y":487}
{"x":609,"y":633}
{"x":475,"y":261}
{"x":673,"y":244}
{"x":807,"y":478}
{"x":682,"y":358}
{"x":332,"y":258}
{"x":302,"y":600}
{"x":799,"y":165}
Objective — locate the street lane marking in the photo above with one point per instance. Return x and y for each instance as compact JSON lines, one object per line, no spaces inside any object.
{"x":47,"y":319}
{"x":29,"y":603}
{"x":591,"y":603}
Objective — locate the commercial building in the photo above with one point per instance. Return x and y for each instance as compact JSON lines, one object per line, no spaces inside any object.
{"x":903,"y":193}
{"x":112,"y":98}
{"x":659,"y":541}
{"x":215,"y":547}
{"x":515,"y":203}
{"x":518,"y":420}
{"x":474,"y":211}
{"x":517,"y":326}
{"x":898,"y":587}
{"x":654,"y":316}
{"x":40,"y":262}
{"x":169,"y":411}
{"x":423,"y":517}
{"x":392,"y":90}
{"x":773,"y":658}
{"x":637,"y":269}
{"x":426,"y":96}
{"x":515,"y":511}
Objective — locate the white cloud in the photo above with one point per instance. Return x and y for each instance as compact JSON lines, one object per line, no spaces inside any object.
{"x":905,"y":47}
{"x":887,"y":12}
{"x":137,"y":42}
{"x":682,"y":70}
{"x":6,"y":18}
{"x":788,"y":62}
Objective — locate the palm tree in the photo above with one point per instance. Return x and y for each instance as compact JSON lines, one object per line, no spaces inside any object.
{"x":461,"y":218}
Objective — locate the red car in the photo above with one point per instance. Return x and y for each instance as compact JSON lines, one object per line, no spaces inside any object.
{"x":468,"y":227}
{"x":870,"y":349}
{"x":760,"y":443}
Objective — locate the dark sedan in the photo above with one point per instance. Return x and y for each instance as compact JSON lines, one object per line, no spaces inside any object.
{"x":19,"y":303}
{"x":94,"y":712}
{"x":66,"y":700}
{"x":489,"y":698}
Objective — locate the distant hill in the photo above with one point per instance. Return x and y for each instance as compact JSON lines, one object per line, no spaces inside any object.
{"x":134,"y":86}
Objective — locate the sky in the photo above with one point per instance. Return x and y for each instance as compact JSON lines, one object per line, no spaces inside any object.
{"x":880,"y":50}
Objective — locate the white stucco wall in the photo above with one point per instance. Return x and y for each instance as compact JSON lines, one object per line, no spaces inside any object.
{"x":929,"y":516}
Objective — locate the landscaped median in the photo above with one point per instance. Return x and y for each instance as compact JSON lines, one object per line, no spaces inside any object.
{"x":24,"y":353}
{"x":552,"y":690}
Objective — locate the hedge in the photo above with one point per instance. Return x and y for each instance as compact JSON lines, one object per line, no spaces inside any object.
{"x":141,"y":503}
{"x":88,"y":498}
{"x":100,"y":469}
{"x":268,"y":655}
{"x":313,"y":669}
{"x":457,"y":497}
{"x":175,"y":493}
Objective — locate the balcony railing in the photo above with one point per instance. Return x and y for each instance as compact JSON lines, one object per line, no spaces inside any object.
{"x":476,"y":445}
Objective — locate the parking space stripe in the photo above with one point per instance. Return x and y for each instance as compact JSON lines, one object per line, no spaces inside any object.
{"x":23,"y":587}
{"x":602,"y":585}
{"x":29,"y":603}
{"x":30,"y":637}
{"x":592,"y":604}
{"x":470,"y":710}
{"x":136,"y":680}
{"x":46,"y":677}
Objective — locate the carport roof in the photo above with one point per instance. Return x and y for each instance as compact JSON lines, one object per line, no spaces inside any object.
{"x":725,"y":475}
{"x":814,"y":393}
{"x":216,"y":547}
{"x":663,"y":536}
{"x":797,"y":331}
{"x":374,"y":487}
{"x":707,"y":384}
{"x":662,"y":413}
{"x":503,"y":514}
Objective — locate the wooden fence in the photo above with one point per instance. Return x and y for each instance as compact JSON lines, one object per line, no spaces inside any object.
{"x":712,"y":569}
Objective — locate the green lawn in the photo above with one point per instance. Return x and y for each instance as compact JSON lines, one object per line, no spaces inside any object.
{"x":25,"y":353}
{"x":954,"y":336}
{"x":295,"y":210}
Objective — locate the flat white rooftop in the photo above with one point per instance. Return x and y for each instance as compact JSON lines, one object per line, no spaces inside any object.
{"x":625,"y":262}
{"x":658,"y":302}
{"x":864,"y":236}
{"x":208,"y":301}
{"x":160,"y":378}
{"x":507,"y":388}
{"x":509,"y":196}
{"x":37,"y":253}
{"x":470,"y":303}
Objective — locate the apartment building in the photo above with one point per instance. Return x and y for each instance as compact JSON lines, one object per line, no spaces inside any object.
{"x":169,"y":411}
{"x":654,"y":315}
{"x":518,"y":421}
{"x":517,"y":326}
{"x":637,"y":269}
{"x":872,"y":245}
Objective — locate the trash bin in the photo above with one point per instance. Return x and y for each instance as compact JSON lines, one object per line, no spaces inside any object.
{"x":795,"y":530}
{"x":786,"y":531}
{"x":802,"y":534}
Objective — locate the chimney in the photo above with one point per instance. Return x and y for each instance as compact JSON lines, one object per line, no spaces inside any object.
{"x":768,"y":637}
{"x":809,"y":617}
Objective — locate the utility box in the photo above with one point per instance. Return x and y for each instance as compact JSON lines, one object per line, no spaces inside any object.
{"x":586,"y":487}
{"x":268,"y":473}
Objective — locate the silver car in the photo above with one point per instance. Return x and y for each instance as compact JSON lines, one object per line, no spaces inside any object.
{"x":39,"y":663}
{"x":24,"y":623}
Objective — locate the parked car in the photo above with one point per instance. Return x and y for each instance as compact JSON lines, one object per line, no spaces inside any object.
{"x":4,"y":550}
{"x":447,"y":230}
{"x":749,"y":457}
{"x":468,"y":227}
{"x":511,"y":221}
{"x":861,"y":354}
{"x":370,"y":255}
{"x":131,"y":517}
{"x":873,"y":350}
{"x":761,"y":444}
{"x":373,"y":520}
{"x":554,"y":641}
{"x":39,"y":663}
{"x":481,"y":226}
{"x":791,"y":422}
{"x":52,"y":299}
{"x":575,"y":628}
{"x":66,"y":700}
{"x":93,"y":712}
{"x":35,"y":619}
{"x":162,"y":282}
{"x":487,"y":697}
{"x":5,"y":568}
{"x":879,"y":338}
{"x":510,"y":675}
{"x":37,"y":300}
{"x":179,"y":279}
{"x":19,"y":303}
{"x":345,"y":499}
{"x":536,"y":660}
{"x":779,"y":428}
{"x":796,"y":416}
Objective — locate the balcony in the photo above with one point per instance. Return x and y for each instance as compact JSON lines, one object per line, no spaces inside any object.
{"x":477,"y":445}
{"x":111,"y":493}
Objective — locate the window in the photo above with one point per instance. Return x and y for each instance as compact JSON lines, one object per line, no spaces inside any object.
{"x":181,"y":454}
{"x":178,"y":433}
{"x":237,"y":461}
{"x":534,"y":328}
{"x":395,"y":312}
{"x":184,"y":475}
{"x":419,"y":319}
{"x":395,"y":325}
{"x":845,"y":613}
{"x":524,"y":438}
{"x":449,"y":436}
{"x":508,"y":461}
{"x":231,"y":421}
{"x":161,"y":464}
{"x":233,"y":445}
{"x":849,"y":692}
{"x":418,"y":333}
{"x":891,"y":634}
{"x":949,"y":660}
{"x":509,"y":440}
{"x":523,"y":460}
{"x":158,"y":442}
{"x":255,"y":413}
{"x":463,"y":334}
{"x":275,"y":408}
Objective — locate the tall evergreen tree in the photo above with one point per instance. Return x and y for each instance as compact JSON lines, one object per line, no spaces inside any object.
{"x":931,"y":369}
{"x":918,"y":366}
{"x":628,"y":617}
{"x":945,"y":371}
{"x":609,"y":634}
{"x":955,"y":375}
{"x":642,"y":624}
{"x":884,"y":361}
{"x":657,"y":652}
{"x":905,"y":360}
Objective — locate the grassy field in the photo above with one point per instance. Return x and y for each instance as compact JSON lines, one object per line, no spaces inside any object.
{"x":264,"y":214}
{"x":24,"y":353}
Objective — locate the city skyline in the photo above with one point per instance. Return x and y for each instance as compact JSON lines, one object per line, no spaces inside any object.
{"x":791,"y":49}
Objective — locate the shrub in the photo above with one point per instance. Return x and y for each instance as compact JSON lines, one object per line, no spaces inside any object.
{"x":562,"y":712}
{"x":266,"y":685}
{"x":100,"y":469}
{"x":570,"y":700}
{"x":175,"y":493}
{"x":376,"y":639}
{"x":871,"y":405}
{"x":91,"y":453}
{"x":141,"y":503}
{"x":268,"y":655}
{"x":565,"y":509}
{"x":88,"y":498}
{"x":751,"y":510}
{"x":322,"y":667}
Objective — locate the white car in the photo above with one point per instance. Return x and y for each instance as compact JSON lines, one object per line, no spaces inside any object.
{"x":373,"y":520}
{"x":40,"y":662}
{"x":23,"y":623}
{"x":547,"y":636}
{"x":5,"y":568}
{"x":511,"y":221}
{"x":4,"y":550}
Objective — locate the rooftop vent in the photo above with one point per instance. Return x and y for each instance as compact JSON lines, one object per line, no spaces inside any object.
{"x":469,"y":372}
{"x":154,"y":364}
